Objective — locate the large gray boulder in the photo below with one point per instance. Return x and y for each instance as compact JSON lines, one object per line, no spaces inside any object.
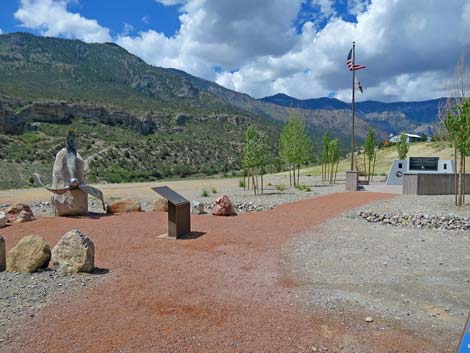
{"x":3,"y":260}
{"x":74,"y":253}
{"x":73,"y":202}
{"x":30,"y":254}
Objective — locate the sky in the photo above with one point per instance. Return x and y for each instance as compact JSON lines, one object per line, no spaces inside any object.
{"x":262,"y":47}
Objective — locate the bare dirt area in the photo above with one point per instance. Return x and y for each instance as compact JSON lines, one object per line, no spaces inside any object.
{"x":302,"y":277}
{"x":224,"y":290}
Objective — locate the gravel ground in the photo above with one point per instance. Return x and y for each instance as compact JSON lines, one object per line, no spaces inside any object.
{"x":22,"y":296}
{"x":412,"y":204}
{"x":415,"y":279}
{"x":221,"y":292}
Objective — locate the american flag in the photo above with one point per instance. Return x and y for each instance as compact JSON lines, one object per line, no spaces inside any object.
{"x":350,"y":63}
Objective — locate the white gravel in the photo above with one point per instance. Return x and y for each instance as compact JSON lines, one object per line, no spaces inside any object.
{"x":415,"y":279}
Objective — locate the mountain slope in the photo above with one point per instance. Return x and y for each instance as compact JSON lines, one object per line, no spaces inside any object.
{"x":52,"y":69}
{"x":388,"y":117}
{"x":151,"y":121}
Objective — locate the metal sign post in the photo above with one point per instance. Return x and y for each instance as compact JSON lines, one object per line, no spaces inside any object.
{"x":179,"y":212}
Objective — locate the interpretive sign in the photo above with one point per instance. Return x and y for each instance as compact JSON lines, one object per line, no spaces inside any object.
{"x":179,"y":213}
{"x":424,"y":163}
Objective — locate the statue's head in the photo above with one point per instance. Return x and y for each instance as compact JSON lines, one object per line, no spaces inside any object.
{"x":70,"y":144}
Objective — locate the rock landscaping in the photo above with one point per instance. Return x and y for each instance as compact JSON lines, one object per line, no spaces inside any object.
{"x":160,"y":205}
{"x":124,"y":206}
{"x":3,"y":260}
{"x":3,"y":220}
{"x":418,"y":220}
{"x":30,"y":254}
{"x":74,"y":253}
{"x":223,"y":207}
{"x":19,"y":213}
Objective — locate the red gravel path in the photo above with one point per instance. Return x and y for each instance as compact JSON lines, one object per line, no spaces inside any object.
{"x":221,"y":292}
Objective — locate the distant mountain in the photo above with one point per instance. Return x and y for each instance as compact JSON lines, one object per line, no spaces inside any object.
{"x":388,"y":117}
{"x":316,"y":103}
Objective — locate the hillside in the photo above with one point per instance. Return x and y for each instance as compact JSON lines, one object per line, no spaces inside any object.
{"x":134,"y":121}
{"x":386,"y":155}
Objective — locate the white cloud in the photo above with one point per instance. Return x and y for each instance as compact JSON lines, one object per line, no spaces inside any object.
{"x":171,"y":2}
{"x":404,"y":45}
{"x":51,"y":18}
{"x":222,"y":33}
{"x":409,"y":47}
{"x":1,"y":32}
{"x":127,"y":29}
{"x":356,"y":7}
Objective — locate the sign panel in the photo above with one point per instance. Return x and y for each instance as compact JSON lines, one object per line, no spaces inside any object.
{"x":171,"y":195}
{"x":464,"y":346}
{"x":424,"y":163}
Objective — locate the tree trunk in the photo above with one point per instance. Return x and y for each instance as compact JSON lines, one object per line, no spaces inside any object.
{"x":455,"y":177}
{"x":293,"y":174}
{"x":373,"y":167}
{"x":298,"y":174}
{"x":336,"y":171}
{"x":244,"y":181}
{"x":253,"y":181}
{"x":461,"y":179}
{"x":262,"y":185}
{"x":248,"y":178}
{"x":464,"y":179}
{"x":322,"y":167}
{"x":459,"y":182}
{"x":290,"y":176}
{"x":331,"y":174}
{"x":365,"y":167}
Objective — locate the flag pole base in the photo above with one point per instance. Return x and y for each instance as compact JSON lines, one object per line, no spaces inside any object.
{"x":352,"y":180}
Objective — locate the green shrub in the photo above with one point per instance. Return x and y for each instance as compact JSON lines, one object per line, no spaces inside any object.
{"x":241,"y":184}
{"x":205,"y":193}
{"x":269,"y":184}
{"x":303,"y":187}
{"x":214,"y":190}
{"x":280,"y":187}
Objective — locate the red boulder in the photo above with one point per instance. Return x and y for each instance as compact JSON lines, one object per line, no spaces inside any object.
{"x":223,"y":207}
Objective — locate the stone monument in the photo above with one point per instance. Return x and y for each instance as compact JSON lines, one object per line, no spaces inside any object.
{"x":70,"y":192}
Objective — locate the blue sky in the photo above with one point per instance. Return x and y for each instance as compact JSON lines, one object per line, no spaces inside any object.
{"x":114,"y":14}
{"x":263,"y":47}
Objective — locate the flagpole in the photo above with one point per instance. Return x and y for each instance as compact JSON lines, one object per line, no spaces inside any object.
{"x":353,"y":107}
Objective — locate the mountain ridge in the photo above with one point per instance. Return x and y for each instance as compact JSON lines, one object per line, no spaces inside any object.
{"x":184,"y":124}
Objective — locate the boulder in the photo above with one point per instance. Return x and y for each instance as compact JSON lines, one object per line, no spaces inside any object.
{"x":73,"y":202}
{"x":30,"y":254}
{"x":124,"y":206}
{"x":3,"y":263}
{"x":3,"y":219}
{"x":160,"y":205}
{"x":223,"y":207}
{"x":74,"y":253}
{"x":198,"y":208}
{"x":19,"y":213}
